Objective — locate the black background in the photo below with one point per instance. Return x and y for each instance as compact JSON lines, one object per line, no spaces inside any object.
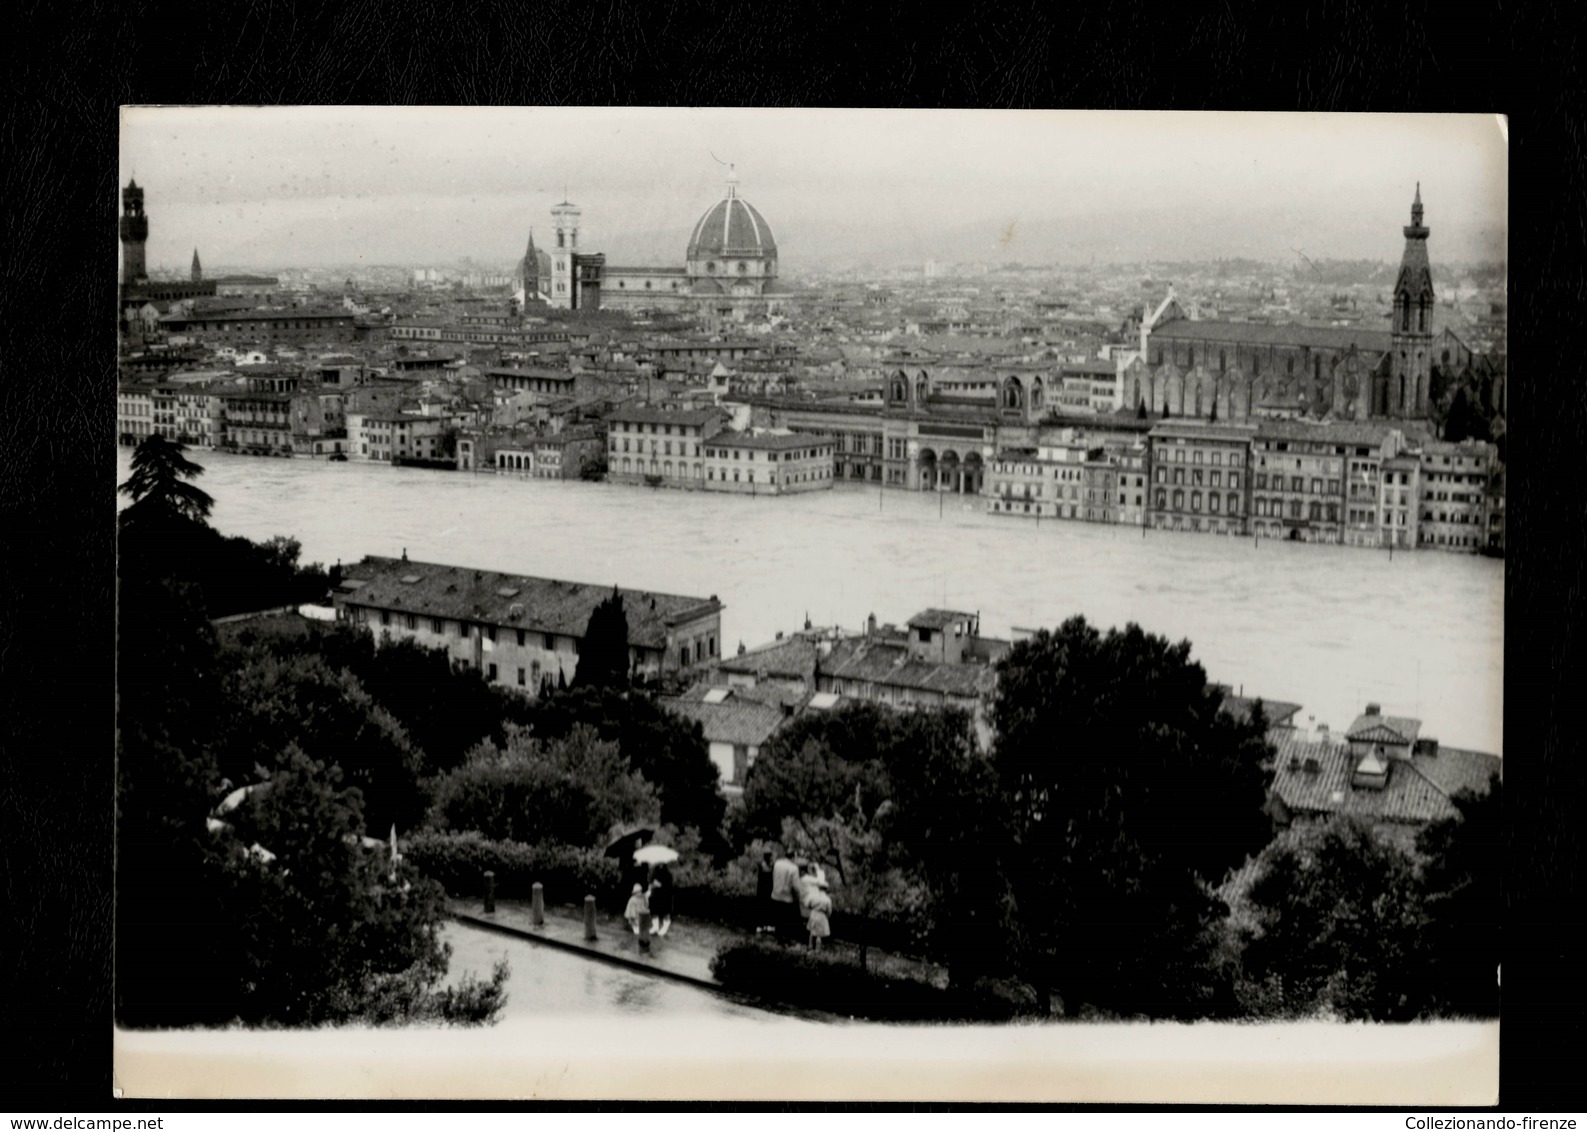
{"x":74,"y":66}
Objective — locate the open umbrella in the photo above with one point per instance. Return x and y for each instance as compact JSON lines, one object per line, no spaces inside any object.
{"x":655,"y":855}
{"x":625,"y":845}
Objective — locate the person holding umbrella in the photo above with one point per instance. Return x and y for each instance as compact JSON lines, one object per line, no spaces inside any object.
{"x":659,"y":894}
{"x":661,"y":899}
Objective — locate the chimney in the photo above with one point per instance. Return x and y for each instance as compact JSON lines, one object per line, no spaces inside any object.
{"x":1374,"y":709}
{"x":870,"y":626}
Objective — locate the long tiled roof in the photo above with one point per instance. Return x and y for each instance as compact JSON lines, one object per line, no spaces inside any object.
{"x":793,"y":657}
{"x":543,"y":605}
{"x":645,"y":414}
{"x":1417,"y":791}
{"x":768,"y":441}
{"x":1274,"y":334}
{"x":735,"y":720}
{"x":1334,"y":432}
{"x":890,"y":664}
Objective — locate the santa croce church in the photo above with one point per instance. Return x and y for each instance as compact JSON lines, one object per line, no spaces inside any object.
{"x":1233,"y":371}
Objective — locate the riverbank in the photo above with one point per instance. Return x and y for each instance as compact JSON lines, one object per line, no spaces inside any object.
{"x":1423,"y":635}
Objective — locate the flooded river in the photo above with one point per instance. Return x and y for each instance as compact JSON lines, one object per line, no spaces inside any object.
{"x":1328,"y":627}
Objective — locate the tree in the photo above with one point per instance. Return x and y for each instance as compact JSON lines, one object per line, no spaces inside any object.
{"x":1462,"y":887}
{"x":158,"y":482}
{"x":670,"y":752}
{"x":1130,"y":793}
{"x":822,"y":764}
{"x":948,"y":816}
{"x":274,"y":704}
{"x":323,"y":928}
{"x":1338,"y":927}
{"x":573,"y":790}
{"x":603,"y":654}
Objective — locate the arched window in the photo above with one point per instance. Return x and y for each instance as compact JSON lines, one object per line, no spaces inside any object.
{"x":1289,"y":366}
{"x":1421,"y":316}
{"x":1316,"y":369}
{"x":1256,"y":365}
{"x":1223,"y":360}
{"x":1405,"y":312}
{"x":1191,"y":356}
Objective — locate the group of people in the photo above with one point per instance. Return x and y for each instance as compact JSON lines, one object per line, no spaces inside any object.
{"x":792,"y":894}
{"x":653,"y":896}
{"x":794,"y":899}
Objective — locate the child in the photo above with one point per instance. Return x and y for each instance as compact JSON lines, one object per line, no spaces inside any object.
{"x":637,"y":906}
{"x":820,"y":928}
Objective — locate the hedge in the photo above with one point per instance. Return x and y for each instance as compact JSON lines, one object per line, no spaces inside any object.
{"x":459,"y":861}
{"x":824,"y":980}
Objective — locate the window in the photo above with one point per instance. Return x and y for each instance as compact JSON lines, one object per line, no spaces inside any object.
{"x":436,"y":624}
{"x":1195,"y":501}
{"x":1297,"y":484}
{"x":385,"y":617}
{"x":1212,"y":501}
{"x":1217,"y":478}
{"x":550,"y":642}
{"x":1195,"y":477}
{"x":520,"y":678}
{"x":1162,"y":499}
{"x":490,"y":633}
{"x":1261,"y":481}
{"x":491,"y":671}
{"x":1234,"y":503}
{"x":1179,"y":501}
{"x":1179,"y":475}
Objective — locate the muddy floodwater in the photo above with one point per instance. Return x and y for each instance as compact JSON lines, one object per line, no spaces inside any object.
{"x":1331,"y":628}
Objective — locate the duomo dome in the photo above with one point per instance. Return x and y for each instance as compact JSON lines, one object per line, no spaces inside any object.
{"x":731,"y":248}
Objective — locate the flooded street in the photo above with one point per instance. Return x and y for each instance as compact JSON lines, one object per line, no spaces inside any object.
{"x":1328,"y":627}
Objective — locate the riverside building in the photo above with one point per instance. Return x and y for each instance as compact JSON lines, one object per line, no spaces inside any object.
{"x":521,"y":631}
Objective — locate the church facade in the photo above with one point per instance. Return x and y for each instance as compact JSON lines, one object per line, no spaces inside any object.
{"x":1236,"y":371}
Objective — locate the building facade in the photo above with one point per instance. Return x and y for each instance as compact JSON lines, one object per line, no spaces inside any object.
{"x":520,"y":631}
{"x":767,"y":463}
{"x":1200,"y":477}
{"x":661,"y":447}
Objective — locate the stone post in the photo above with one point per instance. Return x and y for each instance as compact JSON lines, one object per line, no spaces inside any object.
{"x":537,"y":904}
{"x":589,"y":918}
{"x":490,"y":890}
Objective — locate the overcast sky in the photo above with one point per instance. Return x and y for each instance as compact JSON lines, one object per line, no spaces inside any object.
{"x":276,"y":187}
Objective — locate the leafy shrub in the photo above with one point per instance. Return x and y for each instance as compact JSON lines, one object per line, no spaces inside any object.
{"x":824,"y":980}
{"x":459,"y":860}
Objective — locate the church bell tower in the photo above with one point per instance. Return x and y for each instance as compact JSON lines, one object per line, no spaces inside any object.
{"x":1411,"y":334}
{"x":565,"y":218}
{"x":134,"y":235}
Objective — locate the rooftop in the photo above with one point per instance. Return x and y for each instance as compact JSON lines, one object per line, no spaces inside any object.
{"x":938,"y":618}
{"x":1270,"y":334}
{"x":516,"y":601}
{"x":889,"y":664}
{"x":1417,"y":789}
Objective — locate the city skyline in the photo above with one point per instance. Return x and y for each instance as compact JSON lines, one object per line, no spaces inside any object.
{"x":324,"y":186}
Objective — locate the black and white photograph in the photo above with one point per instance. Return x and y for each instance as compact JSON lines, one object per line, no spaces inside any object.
{"x":810,"y":605}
